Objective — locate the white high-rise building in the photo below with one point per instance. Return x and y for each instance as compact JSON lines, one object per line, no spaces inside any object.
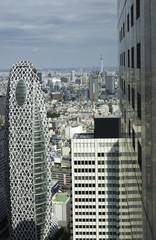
{"x":27,"y":156}
{"x":95,"y":183}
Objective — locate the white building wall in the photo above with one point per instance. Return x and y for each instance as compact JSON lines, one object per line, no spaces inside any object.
{"x":95,"y":189}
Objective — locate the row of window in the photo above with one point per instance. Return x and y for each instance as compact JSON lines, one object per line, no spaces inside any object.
{"x":85,"y":200}
{"x":130,"y":56}
{"x":100,"y":154}
{"x":94,"y":219}
{"x":85,"y":206}
{"x":99,"y":192}
{"x":108,"y":185}
{"x":110,"y":154}
{"x":99,"y":162}
{"x":109,"y":144}
{"x":84,"y":162}
{"x":100,"y":206}
{"x":84,"y":144}
{"x":83,"y":226}
{"x":99,"y":178}
{"x":103,"y":144}
{"x":100,"y":199}
{"x":94,"y":233}
{"x":84,"y":177}
{"x":100,"y":170}
{"x":85,"y":192}
{"x":108,"y":162}
{"x":88,"y":170}
{"x":130,"y":17}
{"x":92,"y":170}
{"x":85,"y":185}
{"x":85,"y":213}
{"x":84,"y":154}
{"x":85,"y":219}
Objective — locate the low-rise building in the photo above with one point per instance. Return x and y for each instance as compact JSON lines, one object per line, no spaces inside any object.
{"x":61,"y":208}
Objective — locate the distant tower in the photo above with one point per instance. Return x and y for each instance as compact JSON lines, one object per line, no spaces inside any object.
{"x":28,"y":161}
{"x":101,"y":59}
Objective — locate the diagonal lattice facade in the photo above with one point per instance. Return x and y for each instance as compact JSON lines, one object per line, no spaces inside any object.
{"x":28,"y":164}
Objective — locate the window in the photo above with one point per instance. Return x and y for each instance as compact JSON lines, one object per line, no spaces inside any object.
{"x":138,"y":56}
{"x":128,"y":92}
{"x":124,"y":115}
{"x":132,"y":57}
{"x":139,"y":155}
{"x":132,"y":15}
{"x":128,"y":23}
{"x":133,"y":139}
{"x":137,"y":9}
{"x":129,"y":128}
{"x":133,"y":98}
{"x":123,"y":30}
{"x":139,"y":105}
{"x":128,"y":58}
{"x":122,"y":85}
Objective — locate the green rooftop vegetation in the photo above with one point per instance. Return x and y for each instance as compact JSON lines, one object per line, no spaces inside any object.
{"x":61,"y":198}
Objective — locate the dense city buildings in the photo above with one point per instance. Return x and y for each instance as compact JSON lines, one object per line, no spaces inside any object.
{"x":137,"y":73}
{"x":27,"y":156}
{"x":95,"y":182}
{"x":69,"y":111}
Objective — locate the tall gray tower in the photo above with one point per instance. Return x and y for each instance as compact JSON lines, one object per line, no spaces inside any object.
{"x":101,"y":60}
{"x":28,"y":163}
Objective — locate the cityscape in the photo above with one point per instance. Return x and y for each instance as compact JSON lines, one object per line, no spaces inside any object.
{"x":78,"y":137}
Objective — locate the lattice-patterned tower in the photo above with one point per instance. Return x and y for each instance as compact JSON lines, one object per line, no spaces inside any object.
{"x":28,"y":163}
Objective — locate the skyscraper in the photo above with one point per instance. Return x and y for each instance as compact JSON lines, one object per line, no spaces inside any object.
{"x":28,"y":163}
{"x":137,"y":73}
{"x":110,"y":84}
{"x":93,"y":88}
{"x":95,"y":182}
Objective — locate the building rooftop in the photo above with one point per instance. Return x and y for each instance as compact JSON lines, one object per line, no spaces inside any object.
{"x":61,"y":198}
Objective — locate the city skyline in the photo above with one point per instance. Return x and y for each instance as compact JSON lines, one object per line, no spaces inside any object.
{"x":58,"y":34}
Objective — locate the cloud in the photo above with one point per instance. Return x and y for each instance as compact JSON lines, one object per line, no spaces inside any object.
{"x":74,"y":24}
{"x":35,"y":49}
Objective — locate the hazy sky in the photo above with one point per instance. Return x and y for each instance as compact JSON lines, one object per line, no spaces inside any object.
{"x":58,"y":33}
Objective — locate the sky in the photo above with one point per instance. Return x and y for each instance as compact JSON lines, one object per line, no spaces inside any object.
{"x":58,"y":33}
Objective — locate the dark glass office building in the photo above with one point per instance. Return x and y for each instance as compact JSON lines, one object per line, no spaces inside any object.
{"x":137,"y":76}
